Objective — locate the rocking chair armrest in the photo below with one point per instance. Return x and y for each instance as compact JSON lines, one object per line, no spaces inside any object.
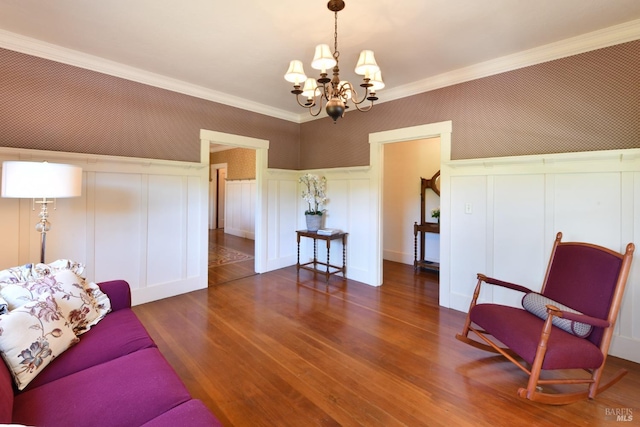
{"x":577,"y":317}
{"x":503,"y":284}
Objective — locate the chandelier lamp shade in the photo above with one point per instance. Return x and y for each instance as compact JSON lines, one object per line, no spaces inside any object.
{"x":332,"y":92}
{"x":43,"y":182}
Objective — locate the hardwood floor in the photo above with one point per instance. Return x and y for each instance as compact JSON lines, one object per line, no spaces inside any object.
{"x":278,"y":350}
{"x":229,"y":272}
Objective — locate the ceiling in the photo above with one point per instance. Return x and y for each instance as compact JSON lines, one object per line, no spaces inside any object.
{"x":239,"y":50}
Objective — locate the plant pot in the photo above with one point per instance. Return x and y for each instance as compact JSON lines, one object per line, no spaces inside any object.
{"x":314,"y":222}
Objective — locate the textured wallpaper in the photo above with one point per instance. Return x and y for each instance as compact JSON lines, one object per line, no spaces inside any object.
{"x":585,"y":102}
{"x":241,"y":162}
{"x":47,"y":105}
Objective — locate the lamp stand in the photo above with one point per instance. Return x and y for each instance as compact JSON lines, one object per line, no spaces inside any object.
{"x":44,"y":225}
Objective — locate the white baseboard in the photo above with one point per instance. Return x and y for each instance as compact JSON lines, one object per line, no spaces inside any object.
{"x":166,"y":290}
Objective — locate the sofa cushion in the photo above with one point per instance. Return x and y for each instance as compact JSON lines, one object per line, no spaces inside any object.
{"x":128,"y":391}
{"x":536,"y":303}
{"x":118,"y":334}
{"x":31,"y":336}
{"x":78,"y":306}
{"x":192,"y":413}
{"x":520,"y":331}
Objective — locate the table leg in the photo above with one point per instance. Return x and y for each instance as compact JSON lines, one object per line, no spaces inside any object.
{"x":344,"y":256}
{"x":315,"y":253}
{"x":328,"y":252}
{"x":298,"y":262}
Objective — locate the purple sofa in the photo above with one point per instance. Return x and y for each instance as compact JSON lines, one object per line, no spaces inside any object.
{"x":115,"y":376}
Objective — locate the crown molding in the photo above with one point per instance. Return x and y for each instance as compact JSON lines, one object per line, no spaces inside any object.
{"x":30,"y":46}
{"x":610,"y":36}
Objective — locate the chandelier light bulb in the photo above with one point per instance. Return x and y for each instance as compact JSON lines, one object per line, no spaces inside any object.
{"x":367,"y":65}
{"x":295,"y":73}
{"x":376,"y":81}
{"x":323,"y":59}
{"x":309,"y":89}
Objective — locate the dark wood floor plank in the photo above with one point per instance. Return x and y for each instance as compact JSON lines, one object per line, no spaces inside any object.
{"x":282,"y":349}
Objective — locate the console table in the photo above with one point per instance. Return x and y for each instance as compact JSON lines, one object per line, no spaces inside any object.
{"x":315,"y":264}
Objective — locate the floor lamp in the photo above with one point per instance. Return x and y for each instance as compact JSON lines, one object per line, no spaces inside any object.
{"x":43,"y":182}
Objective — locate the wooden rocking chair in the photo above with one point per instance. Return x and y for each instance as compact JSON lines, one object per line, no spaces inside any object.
{"x":580,"y":299}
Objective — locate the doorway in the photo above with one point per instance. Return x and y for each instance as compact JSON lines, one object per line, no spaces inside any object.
{"x":402,"y":199}
{"x":217,"y":195}
{"x":376,"y":155}
{"x":261,"y":148}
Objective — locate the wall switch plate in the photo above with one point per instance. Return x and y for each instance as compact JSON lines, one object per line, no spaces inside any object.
{"x":468,"y":208}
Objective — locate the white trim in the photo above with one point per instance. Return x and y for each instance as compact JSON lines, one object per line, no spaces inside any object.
{"x":610,"y":36}
{"x":261,"y":146}
{"x":614,"y":35}
{"x":99,"y":162}
{"x":34,"y":47}
{"x":377,"y":140}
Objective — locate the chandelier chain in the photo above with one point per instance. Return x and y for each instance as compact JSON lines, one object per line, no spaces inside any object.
{"x":336,"y":54}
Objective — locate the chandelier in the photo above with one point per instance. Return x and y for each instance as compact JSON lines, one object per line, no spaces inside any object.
{"x":332,"y":91}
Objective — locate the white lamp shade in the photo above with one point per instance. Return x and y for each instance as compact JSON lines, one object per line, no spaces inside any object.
{"x":34,"y":180}
{"x":295,"y":73}
{"x":323,"y":59}
{"x":367,"y":65}
{"x":309,"y":89}
{"x":376,"y":81}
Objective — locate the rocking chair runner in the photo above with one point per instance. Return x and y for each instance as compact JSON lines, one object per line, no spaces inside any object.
{"x":587,"y":278}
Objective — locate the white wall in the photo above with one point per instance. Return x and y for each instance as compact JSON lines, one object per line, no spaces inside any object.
{"x":141,"y":220}
{"x":240,"y":208}
{"x":520,"y":203}
{"x":404,"y":164}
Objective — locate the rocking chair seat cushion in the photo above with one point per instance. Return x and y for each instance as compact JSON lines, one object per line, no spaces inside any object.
{"x":536,"y":304}
{"x":520,"y":331}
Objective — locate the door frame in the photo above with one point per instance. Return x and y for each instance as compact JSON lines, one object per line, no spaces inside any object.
{"x":208,"y":137}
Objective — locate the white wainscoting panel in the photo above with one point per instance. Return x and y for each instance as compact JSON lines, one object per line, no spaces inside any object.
{"x":506,"y":212}
{"x":240,"y":208}
{"x":141,"y":220}
{"x":120,"y":216}
{"x":468,"y":234}
{"x":282,"y":212}
{"x":166,"y":228}
{"x":518,"y":233}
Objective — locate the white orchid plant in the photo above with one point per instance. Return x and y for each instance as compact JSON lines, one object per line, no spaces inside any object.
{"x":314,"y":193}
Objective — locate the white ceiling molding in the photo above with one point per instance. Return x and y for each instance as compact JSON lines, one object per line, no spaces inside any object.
{"x":590,"y":41}
{"x":617,"y":34}
{"x":30,"y":46}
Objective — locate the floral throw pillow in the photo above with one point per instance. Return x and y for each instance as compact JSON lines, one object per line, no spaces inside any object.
{"x":16,"y":274}
{"x":75,"y":297}
{"x":32,"y":335}
{"x":58,"y":265}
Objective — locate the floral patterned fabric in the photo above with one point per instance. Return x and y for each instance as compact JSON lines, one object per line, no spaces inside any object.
{"x":82,"y":304}
{"x":32,"y":335}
